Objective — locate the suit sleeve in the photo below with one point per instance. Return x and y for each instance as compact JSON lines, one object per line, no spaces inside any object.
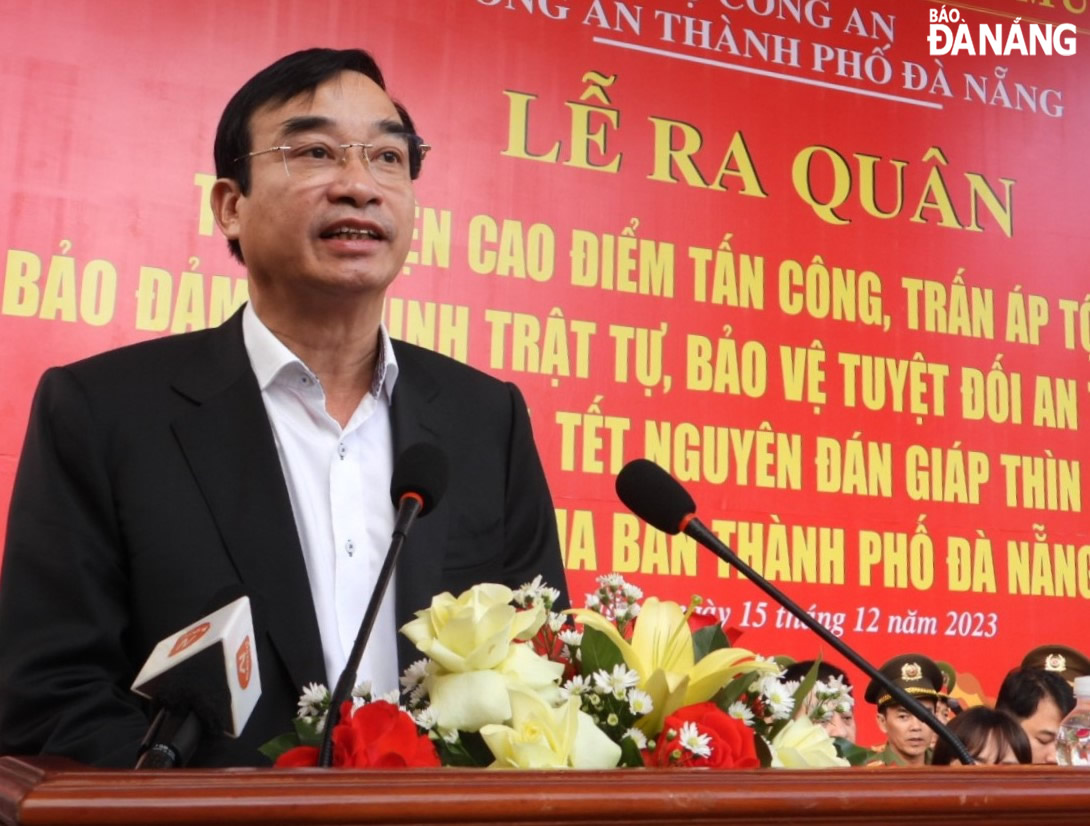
{"x":64,"y":593}
{"x":530,"y":536}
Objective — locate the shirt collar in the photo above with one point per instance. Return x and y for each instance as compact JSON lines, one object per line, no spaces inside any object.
{"x":269,"y":356}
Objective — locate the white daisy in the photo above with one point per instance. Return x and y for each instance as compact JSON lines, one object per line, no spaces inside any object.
{"x":619,"y":680}
{"x":393,"y":697}
{"x":414,"y":675}
{"x":426,"y":718}
{"x":574,"y":687}
{"x":693,"y":741}
{"x":639,"y":702}
{"x":570,"y":637}
{"x":740,"y":711}
{"x":312,"y":698}
{"x":637,"y":737}
{"x":781,"y":701}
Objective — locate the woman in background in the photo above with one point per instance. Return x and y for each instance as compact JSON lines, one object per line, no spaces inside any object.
{"x":991,"y":737}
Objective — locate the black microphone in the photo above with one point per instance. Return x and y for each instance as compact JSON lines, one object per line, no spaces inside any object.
{"x":204,"y":680}
{"x":656,"y":497}
{"x":419,"y":482}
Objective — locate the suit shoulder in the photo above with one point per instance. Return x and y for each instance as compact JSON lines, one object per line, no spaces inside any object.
{"x":156,"y":352}
{"x":447,"y":371}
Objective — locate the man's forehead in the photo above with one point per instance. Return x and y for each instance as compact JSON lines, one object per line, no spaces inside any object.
{"x":893,"y":708}
{"x":349,"y":98}
{"x":1047,"y":709}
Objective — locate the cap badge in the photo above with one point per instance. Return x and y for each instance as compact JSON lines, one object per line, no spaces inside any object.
{"x":911,"y":671}
{"x":1055,"y":662}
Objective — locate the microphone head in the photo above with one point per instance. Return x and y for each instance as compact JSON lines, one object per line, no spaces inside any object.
{"x":654,"y":495}
{"x":421,"y":469}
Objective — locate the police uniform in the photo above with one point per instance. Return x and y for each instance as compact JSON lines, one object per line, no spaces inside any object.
{"x":949,"y":682}
{"x":918,"y":676}
{"x":1068,"y":662}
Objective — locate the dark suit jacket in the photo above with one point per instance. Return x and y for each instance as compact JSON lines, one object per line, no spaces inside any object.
{"x":150,"y":482}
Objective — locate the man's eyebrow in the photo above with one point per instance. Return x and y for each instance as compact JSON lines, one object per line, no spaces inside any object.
{"x":303,"y":123}
{"x":389,"y":126}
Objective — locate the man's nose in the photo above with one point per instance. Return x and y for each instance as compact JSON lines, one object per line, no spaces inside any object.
{"x":353,"y":180}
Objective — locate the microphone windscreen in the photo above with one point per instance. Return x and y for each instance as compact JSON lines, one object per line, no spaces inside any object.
{"x":420,"y":469}
{"x":654,"y":495}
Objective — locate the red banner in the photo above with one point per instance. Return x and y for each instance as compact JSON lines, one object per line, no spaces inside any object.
{"x":824,"y":261}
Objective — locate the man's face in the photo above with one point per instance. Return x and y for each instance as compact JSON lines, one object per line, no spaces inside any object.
{"x":840,"y":725}
{"x":907,"y":736}
{"x":1042,"y":727}
{"x":288,"y":225}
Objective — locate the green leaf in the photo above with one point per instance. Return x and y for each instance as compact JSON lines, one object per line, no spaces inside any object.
{"x":807,"y":685}
{"x":452,"y":754}
{"x":278,"y":745}
{"x":631,"y":758}
{"x":598,"y":652}
{"x":733,"y":690}
{"x":855,"y":755}
{"x":764,"y":753}
{"x":707,"y":639}
{"x":306,"y":732}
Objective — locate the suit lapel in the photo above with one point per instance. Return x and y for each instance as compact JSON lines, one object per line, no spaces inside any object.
{"x":416,"y":416}
{"x":228,"y":442}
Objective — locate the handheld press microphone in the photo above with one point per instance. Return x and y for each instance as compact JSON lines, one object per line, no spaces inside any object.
{"x":657,"y":498}
{"x":205,"y":681}
{"x":419,"y":482}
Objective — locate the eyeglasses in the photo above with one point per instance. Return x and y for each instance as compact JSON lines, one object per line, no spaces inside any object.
{"x":394,"y":159}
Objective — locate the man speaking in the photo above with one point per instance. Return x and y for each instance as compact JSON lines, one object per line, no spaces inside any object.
{"x":258,"y":455}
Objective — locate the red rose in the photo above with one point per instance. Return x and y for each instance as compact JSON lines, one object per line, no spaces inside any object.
{"x":732,"y":742}
{"x":547,"y":643}
{"x":379,"y":735}
{"x":733,"y":634}
{"x":697,"y":621}
{"x":296,"y":757}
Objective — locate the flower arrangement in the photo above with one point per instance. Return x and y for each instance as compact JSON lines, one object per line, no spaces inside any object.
{"x":506,"y":682}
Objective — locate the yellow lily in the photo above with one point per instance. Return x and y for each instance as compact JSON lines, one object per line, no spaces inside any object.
{"x":661,"y":652}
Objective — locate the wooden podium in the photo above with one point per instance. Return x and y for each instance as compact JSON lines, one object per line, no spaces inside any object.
{"x":43,"y":791}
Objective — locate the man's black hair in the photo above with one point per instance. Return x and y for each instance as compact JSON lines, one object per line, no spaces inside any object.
{"x":1024,"y":688}
{"x":296,"y":74}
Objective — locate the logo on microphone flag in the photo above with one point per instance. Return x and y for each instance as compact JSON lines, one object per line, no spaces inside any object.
{"x":243,"y":663}
{"x":187,"y":638}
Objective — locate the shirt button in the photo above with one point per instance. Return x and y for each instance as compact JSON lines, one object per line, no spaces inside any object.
{"x":342,"y":451}
{"x":350,"y":547}
{"x":305,"y":380}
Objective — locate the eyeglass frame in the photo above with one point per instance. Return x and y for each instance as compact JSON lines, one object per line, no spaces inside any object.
{"x":414,"y":141}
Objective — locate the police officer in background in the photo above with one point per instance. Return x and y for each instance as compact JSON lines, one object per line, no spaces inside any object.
{"x":1064,"y":660}
{"x":908,"y":739}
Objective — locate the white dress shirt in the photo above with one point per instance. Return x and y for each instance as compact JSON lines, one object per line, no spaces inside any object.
{"x":339,"y":483}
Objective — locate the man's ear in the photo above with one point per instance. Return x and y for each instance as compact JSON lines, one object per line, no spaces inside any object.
{"x":881,"y":718}
{"x":225,"y":198}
